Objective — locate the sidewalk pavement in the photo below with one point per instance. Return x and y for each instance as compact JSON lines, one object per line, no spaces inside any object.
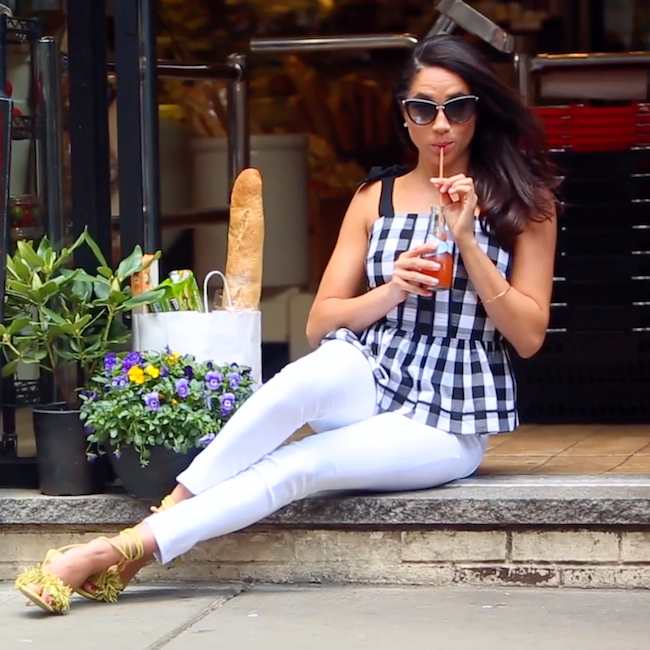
{"x":350,"y":617}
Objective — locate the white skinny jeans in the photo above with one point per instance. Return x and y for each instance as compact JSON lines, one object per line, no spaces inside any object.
{"x":245,"y":475}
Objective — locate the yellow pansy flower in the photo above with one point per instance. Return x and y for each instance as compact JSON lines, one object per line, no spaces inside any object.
{"x":173,"y":357}
{"x":136,"y":375}
{"x":152,"y":371}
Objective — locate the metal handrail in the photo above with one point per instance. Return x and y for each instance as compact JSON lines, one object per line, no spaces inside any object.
{"x":526,"y":65}
{"x":234,"y":72}
{"x":332,"y":43}
{"x":458,"y":13}
{"x":228,"y":71}
{"x":588,"y":59}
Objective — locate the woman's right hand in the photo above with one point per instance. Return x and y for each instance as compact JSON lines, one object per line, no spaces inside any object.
{"x":408,"y":276}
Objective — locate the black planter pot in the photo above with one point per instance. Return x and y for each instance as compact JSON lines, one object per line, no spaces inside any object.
{"x":157,"y":478}
{"x":64,"y":468}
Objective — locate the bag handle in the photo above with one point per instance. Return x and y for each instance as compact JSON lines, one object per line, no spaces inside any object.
{"x":226,"y":289}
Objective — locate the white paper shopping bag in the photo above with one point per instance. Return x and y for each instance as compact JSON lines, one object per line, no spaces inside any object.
{"x":222,"y":336}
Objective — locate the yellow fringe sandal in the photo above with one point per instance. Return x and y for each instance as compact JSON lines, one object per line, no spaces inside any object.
{"x":108,"y":585}
{"x":59,"y":593}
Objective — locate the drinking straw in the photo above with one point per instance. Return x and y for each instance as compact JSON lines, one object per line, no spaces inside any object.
{"x":441,"y":174}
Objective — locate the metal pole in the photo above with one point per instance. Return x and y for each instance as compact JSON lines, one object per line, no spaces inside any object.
{"x":459,"y":13}
{"x":7,"y":435}
{"x":129,"y":132}
{"x":522,"y":72}
{"x":49,"y":143}
{"x":443,"y":25}
{"x":238,"y":131}
{"x":3,"y":53}
{"x":91,"y":202}
{"x":149,"y":128}
{"x":333,"y":43}
{"x":5,"y":171}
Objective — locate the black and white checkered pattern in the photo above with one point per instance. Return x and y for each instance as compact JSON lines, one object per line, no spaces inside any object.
{"x":440,"y":359}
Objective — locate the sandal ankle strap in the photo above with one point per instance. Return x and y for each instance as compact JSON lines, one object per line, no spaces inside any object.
{"x":165,"y":504}
{"x":129,"y":545}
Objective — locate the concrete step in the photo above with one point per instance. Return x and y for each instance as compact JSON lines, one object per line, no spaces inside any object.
{"x":585,"y":531}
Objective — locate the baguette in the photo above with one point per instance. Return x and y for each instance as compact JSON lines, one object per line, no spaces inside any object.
{"x":245,"y":241}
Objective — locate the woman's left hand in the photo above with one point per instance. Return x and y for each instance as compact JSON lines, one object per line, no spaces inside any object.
{"x":460,"y":205}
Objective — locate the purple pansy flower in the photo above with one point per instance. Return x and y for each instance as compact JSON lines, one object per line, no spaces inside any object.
{"x":110,"y":361}
{"x":152,"y":400}
{"x":234,"y":379}
{"x":188,"y":372}
{"x":209,"y":365}
{"x":214,"y":379}
{"x":120,"y":381}
{"x":205,"y":440}
{"x":130,"y":360}
{"x":182,"y":388}
{"x":227,"y":401}
{"x":164,"y":371}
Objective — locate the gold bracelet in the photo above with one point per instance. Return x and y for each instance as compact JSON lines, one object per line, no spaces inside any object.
{"x":499,"y":295}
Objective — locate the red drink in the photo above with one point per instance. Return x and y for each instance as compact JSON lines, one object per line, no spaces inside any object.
{"x":438,"y":233}
{"x":444,"y":273}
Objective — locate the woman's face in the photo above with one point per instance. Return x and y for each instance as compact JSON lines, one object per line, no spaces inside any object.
{"x":438,"y":85}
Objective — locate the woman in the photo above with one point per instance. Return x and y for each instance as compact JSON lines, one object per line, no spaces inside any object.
{"x":408,"y":383}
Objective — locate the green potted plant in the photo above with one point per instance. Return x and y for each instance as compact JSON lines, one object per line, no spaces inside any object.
{"x":65,"y":320}
{"x":157,"y":410}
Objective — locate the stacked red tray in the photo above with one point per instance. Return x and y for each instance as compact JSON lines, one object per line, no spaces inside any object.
{"x":595,"y":128}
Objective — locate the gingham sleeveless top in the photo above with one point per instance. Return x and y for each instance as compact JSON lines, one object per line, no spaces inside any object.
{"x":438,"y":360}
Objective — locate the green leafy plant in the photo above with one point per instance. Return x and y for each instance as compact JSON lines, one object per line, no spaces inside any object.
{"x":161,"y":399}
{"x":57,"y":316}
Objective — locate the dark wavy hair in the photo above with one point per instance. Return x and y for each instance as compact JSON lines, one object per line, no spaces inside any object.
{"x":514,"y":178}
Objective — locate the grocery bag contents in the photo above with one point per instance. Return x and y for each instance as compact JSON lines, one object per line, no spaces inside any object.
{"x":146,"y":279}
{"x":245,"y":241}
{"x":181,"y":293}
{"x":243,"y":277}
{"x":185,"y":294}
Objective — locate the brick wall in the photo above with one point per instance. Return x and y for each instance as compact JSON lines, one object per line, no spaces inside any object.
{"x":612,"y":557}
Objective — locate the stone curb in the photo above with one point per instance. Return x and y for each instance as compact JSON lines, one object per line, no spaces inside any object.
{"x":488,"y":501}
